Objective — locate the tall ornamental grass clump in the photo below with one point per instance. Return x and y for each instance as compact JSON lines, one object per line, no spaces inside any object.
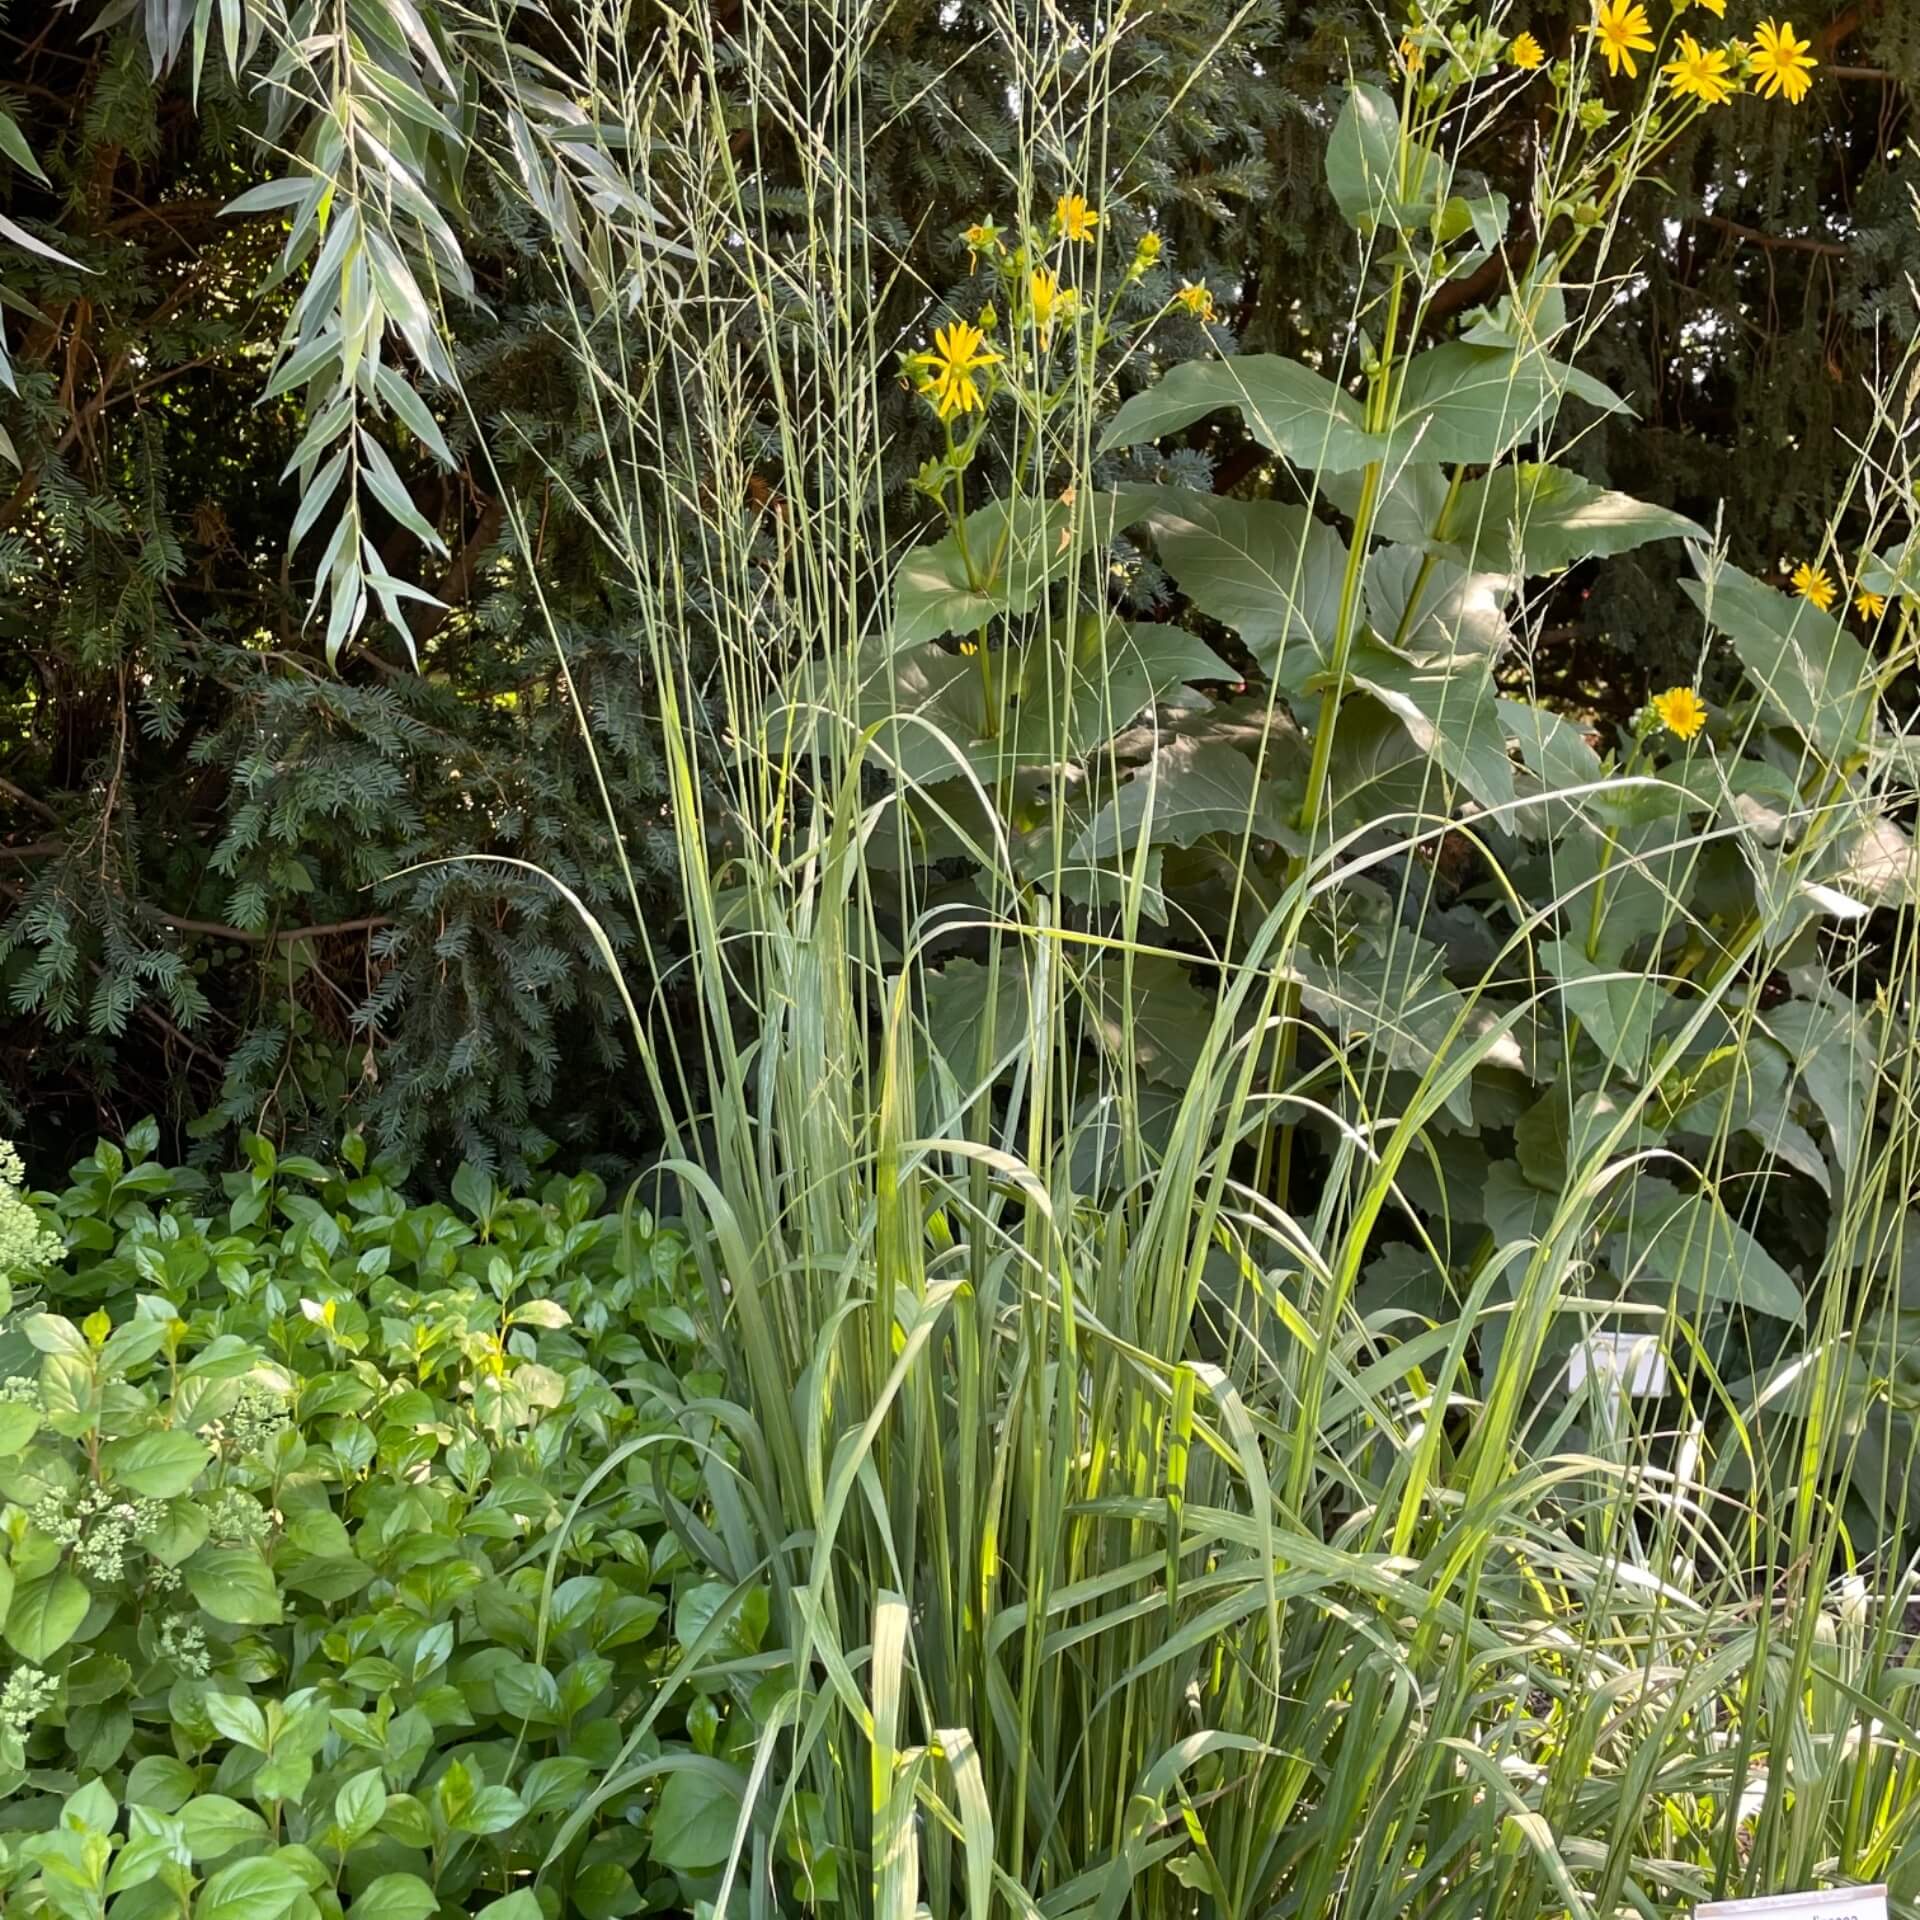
{"x":1187,"y":1049}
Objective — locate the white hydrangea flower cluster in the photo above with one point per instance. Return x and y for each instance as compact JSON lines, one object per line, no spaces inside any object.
{"x":27,"y":1694}
{"x":25,"y":1245}
{"x":100,"y":1531}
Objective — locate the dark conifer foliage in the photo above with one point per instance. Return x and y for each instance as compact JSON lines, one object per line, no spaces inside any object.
{"x":220,"y":884}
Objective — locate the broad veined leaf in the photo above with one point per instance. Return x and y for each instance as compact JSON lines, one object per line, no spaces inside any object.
{"x":1743,"y":1086}
{"x":1515,"y":1208}
{"x":1288,"y":407}
{"x":45,"y":1614}
{"x":1434,"y":609}
{"x":1557,"y":754}
{"x":1813,"y":674}
{"x":1364,"y":164}
{"x":1451,"y":715}
{"x":250,"y":1890}
{"x":158,"y":1465}
{"x":235,"y":1585}
{"x":1190,"y":788}
{"x":1118,"y":670}
{"x":1689,"y":1242}
{"x":1376,"y":775}
{"x":1896,"y":570}
{"x":976,"y":1014}
{"x":1394,"y":995}
{"x":1833,"y":1056}
{"x":1471,"y":404}
{"x":1408,"y":499}
{"x":214,"y":1826}
{"x":1618,"y":1009}
{"x":1270,"y":572}
{"x":1538,"y":519}
{"x":1012,"y":551}
{"x":1873,"y":862}
{"x":696,"y":1814}
{"x":1533,"y":315}
{"x":395,"y":1896}
{"x":1151,"y":1014}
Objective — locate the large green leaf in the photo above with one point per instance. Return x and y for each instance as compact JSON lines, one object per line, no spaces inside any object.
{"x":1434,"y":609}
{"x":1689,"y":1242}
{"x":1160,"y":1025}
{"x":1532,"y":518}
{"x":235,"y":1585}
{"x":1190,"y":788}
{"x":251,"y":1890}
{"x":1391,"y":992}
{"x":974,"y":1015}
{"x":1288,"y":407}
{"x":1407,"y":500}
{"x":1012,"y":551}
{"x":1363,"y":161}
{"x":1557,"y":754}
{"x":46,"y":1613}
{"x":1618,"y":1008}
{"x":1472,"y":404}
{"x":159,"y":1465}
{"x":1453,"y":716}
{"x":694,"y":1820}
{"x":1813,"y":674}
{"x":1832,"y":1053}
{"x":1270,"y":572}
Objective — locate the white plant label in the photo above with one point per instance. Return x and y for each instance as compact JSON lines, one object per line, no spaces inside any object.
{"x":1841,"y":1903}
{"x":1634,"y":1362}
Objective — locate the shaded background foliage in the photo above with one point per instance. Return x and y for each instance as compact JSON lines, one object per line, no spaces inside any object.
{"x":216,"y":896}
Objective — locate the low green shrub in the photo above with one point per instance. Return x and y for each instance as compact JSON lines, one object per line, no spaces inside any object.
{"x":341,"y":1546}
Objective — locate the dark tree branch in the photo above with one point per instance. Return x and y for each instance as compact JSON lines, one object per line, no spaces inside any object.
{"x":1780,"y":242}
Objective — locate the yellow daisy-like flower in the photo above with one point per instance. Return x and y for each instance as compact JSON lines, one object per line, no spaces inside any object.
{"x":1718,"y":8}
{"x":1049,"y":299}
{"x":1681,"y":711}
{"x":1196,"y":299}
{"x":1780,"y":63}
{"x":1813,"y":583}
{"x":1870,"y":605}
{"x":1623,"y":29}
{"x":1700,"y":72}
{"x":1077,"y":219}
{"x":1526,"y":52}
{"x":947,"y":373}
